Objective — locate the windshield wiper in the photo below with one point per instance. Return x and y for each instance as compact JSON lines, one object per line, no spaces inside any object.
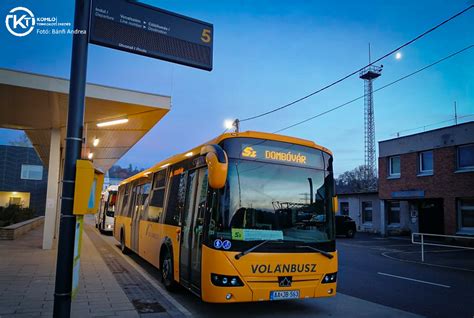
{"x":243,"y":253}
{"x":328,"y":255}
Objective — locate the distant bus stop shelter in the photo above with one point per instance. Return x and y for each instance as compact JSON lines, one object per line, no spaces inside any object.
{"x":38,"y":105}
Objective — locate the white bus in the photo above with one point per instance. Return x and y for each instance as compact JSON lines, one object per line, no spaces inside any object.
{"x":104,"y":218}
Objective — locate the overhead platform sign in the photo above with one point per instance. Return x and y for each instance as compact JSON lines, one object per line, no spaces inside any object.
{"x":145,"y":30}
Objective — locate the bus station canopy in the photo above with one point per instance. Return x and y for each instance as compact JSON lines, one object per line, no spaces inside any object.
{"x":38,"y":104}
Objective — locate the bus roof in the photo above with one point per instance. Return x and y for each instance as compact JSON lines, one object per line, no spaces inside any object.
{"x":246,"y":134}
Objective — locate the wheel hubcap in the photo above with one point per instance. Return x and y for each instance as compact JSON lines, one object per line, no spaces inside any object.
{"x":166,"y":267}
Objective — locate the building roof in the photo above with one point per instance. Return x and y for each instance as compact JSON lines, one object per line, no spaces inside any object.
{"x":450,"y":136}
{"x":37,"y":103}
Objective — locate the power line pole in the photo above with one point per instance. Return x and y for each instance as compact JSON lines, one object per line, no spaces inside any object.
{"x":369,"y":74}
{"x":455,"y":114}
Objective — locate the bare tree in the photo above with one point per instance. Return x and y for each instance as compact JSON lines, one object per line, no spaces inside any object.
{"x":356,"y":181}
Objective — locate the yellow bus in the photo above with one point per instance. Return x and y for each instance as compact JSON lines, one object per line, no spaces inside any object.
{"x":248,"y":216}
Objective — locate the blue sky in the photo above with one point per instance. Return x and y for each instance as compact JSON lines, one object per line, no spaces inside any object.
{"x":267,"y":53}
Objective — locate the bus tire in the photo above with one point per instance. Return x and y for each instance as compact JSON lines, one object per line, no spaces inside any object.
{"x":123,"y":247}
{"x":350,"y":233}
{"x":166,"y":266}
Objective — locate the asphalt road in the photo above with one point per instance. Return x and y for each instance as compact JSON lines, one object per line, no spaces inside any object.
{"x":369,"y":285}
{"x":366,"y":273}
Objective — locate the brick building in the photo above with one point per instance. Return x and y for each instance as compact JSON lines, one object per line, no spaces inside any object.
{"x":23,"y":178}
{"x":433,"y":173}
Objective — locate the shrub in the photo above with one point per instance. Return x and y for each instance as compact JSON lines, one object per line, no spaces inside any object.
{"x":15,"y":214}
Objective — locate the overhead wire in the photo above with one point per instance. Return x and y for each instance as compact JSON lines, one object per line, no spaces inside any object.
{"x":378,"y":89}
{"x":432,"y":124}
{"x":362,"y":68}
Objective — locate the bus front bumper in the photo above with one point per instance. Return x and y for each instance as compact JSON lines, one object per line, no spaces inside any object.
{"x":266,"y":286}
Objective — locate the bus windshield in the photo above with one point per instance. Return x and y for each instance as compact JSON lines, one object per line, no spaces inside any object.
{"x":270,"y":201}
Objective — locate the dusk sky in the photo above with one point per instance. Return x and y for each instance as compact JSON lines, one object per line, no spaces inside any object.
{"x":268,"y":53}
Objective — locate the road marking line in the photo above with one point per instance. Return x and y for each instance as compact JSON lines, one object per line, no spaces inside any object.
{"x":414,"y":280}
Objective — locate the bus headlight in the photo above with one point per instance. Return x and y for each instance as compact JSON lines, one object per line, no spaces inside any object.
{"x":226,"y":280}
{"x":329,"y":278}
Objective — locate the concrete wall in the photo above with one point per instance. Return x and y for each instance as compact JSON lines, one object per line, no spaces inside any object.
{"x":355,"y":200}
{"x":13,"y":231}
{"x":11,"y":159}
{"x":355,"y":210}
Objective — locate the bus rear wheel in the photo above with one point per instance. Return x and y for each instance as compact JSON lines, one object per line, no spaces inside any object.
{"x":123,"y":247}
{"x":167,"y":275}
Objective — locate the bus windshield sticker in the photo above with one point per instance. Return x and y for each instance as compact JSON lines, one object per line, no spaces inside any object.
{"x":281,"y":154}
{"x":238,"y":234}
{"x":226,"y":244}
{"x":256,"y":235}
{"x":218,"y":243}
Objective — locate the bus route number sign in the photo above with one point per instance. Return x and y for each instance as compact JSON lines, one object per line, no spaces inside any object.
{"x":145,"y":30}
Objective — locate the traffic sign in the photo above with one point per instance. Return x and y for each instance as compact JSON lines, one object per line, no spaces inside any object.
{"x":145,"y":30}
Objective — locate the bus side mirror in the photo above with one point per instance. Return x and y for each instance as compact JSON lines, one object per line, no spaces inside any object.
{"x":217,"y":164}
{"x":335,"y":204}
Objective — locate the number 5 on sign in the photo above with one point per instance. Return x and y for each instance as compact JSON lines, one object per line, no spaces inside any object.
{"x":206,"y":35}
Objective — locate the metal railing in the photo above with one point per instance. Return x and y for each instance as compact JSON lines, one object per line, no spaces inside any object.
{"x":422,"y":241}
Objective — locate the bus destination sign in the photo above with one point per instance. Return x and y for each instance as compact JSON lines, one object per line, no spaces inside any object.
{"x":141,"y":29}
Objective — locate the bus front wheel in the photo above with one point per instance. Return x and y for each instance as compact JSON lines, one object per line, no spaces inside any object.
{"x":167,"y":275}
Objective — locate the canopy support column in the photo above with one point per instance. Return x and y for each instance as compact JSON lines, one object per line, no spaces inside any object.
{"x":51,"y":213}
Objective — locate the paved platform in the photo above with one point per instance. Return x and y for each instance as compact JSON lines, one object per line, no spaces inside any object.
{"x":27,"y":276}
{"x":115,"y":285}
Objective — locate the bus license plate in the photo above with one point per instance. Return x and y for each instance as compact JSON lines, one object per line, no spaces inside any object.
{"x":284,"y":294}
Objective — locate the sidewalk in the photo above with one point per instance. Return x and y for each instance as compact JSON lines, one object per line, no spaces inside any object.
{"x":27,"y":281}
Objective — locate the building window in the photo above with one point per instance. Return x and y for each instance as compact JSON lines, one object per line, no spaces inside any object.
{"x":466,"y":157}
{"x":426,"y":162}
{"x":344,"y":208}
{"x":466,"y":214}
{"x":367,"y":212}
{"x":15,"y":201}
{"x":394,"y":212}
{"x":394,"y":166}
{"x":31,"y":172}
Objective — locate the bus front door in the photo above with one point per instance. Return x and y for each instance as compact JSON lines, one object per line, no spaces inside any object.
{"x":192,"y":226}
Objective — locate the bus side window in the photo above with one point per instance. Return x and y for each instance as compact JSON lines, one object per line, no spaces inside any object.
{"x":155,"y":209}
{"x":145,"y":200}
{"x":121,"y":192}
{"x":126,"y":199}
{"x":175,"y":199}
